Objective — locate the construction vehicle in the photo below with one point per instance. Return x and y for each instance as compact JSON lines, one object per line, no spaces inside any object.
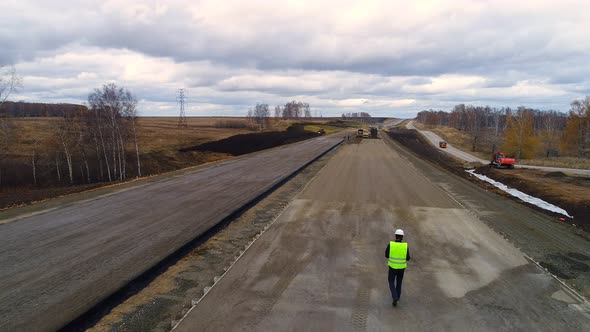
{"x":499,"y":160}
{"x":360,"y":132}
{"x":442,"y":144}
{"x":374,"y":132}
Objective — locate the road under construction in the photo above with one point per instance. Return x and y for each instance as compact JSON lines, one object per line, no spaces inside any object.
{"x":319,"y":266}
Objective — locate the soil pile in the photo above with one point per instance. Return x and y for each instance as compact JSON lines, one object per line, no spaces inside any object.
{"x":248,"y":143}
{"x":570,"y":193}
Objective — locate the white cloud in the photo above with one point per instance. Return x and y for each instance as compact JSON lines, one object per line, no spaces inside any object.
{"x":446,"y":83}
{"x":381,"y":56}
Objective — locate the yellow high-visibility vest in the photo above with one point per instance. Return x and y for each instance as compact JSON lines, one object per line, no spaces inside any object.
{"x":398,"y":252}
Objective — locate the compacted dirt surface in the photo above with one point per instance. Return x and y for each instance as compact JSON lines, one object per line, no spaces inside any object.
{"x":60,"y":260}
{"x":321,"y":265}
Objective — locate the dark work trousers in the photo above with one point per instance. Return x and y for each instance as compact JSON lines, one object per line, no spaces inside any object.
{"x":395,"y":278}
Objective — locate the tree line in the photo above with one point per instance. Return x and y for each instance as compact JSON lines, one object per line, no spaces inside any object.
{"x":523,"y":132}
{"x":356,"y":115}
{"x":23,"y":109}
{"x":85,"y":146}
{"x":260,"y":114}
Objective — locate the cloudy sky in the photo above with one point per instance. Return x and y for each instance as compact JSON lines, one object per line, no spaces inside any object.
{"x":388,"y":58}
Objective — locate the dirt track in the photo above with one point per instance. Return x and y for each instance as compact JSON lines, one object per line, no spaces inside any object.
{"x":321,"y":265}
{"x":60,"y":262}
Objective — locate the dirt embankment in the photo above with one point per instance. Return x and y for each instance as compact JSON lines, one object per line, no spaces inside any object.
{"x":569,"y":193}
{"x":167,"y":160}
{"x":248,"y":143}
{"x":416,"y":142}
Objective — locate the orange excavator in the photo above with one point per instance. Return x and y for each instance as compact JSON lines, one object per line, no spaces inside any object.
{"x":499,"y":160}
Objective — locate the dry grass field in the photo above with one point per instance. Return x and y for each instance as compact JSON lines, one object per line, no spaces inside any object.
{"x":160,"y":143}
{"x":31,"y":130}
{"x":156,"y":133}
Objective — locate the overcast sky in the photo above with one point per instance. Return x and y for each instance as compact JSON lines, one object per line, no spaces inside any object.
{"x":388,"y":58}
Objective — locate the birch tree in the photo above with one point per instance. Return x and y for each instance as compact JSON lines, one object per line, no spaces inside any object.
{"x":114,"y":121}
{"x":64,"y":134}
{"x":9,"y":82}
{"x":261,"y":113}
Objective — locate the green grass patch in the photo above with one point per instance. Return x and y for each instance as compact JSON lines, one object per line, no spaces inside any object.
{"x":316,"y":127}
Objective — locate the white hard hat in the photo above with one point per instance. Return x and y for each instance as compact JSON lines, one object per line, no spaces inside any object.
{"x":399,"y":232}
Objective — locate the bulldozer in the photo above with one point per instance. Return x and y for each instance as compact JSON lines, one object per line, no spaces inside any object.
{"x":499,"y":160}
{"x":374,"y":132}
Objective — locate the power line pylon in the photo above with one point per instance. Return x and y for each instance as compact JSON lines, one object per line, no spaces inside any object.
{"x":182,"y":101}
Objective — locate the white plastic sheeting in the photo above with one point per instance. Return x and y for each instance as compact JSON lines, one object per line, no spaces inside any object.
{"x":520,"y":195}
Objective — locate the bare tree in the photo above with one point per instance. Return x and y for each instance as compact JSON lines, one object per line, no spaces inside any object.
{"x":34,"y":160}
{"x":113,"y":107}
{"x":261,"y":113}
{"x":306,"y":110}
{"x":7,"y":133}
{"x":9,"y":83}
{"x":295,"y":109}
{"x":65,"y":136}
{"x":130,"y":113}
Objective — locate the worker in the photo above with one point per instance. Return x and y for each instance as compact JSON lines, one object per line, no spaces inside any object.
{"x":398,"y":254}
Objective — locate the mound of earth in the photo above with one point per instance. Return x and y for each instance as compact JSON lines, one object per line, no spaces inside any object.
{"x":571,"y":193}
{"x":555,"y":175}
{"x":248,"y":143}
